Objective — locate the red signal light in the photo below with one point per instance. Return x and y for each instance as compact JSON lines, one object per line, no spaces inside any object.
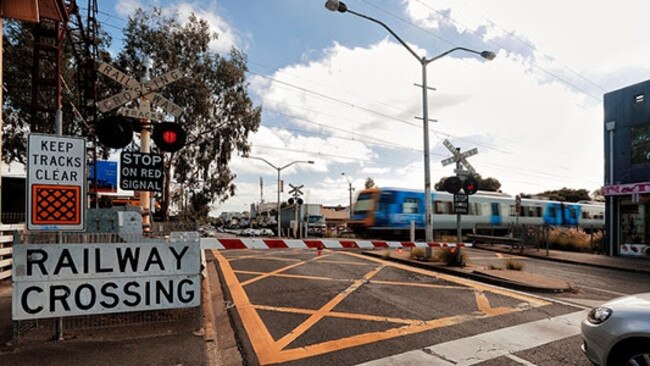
{"x":169,"y":137}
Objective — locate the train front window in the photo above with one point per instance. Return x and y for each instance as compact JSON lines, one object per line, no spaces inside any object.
{"x":363,"y":204}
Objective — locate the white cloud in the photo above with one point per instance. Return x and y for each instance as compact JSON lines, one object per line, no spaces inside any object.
{"x":126,"y":8}
{"x":227,"y":35}
{"x":532,"y":135}
{"x":593,"y":38}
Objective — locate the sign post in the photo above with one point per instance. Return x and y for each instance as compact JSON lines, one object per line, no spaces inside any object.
{"x":56,"y":182}
{"x":461,"y":201}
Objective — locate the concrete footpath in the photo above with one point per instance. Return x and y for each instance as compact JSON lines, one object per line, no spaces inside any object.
{"x":520,"y":280}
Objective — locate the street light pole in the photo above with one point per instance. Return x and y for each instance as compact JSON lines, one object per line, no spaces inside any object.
{"x":335,"y":5}
{"x":279,"y":169}
{"x":350,"y":189}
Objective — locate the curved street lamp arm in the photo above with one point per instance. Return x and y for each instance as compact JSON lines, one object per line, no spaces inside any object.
{"x":266,"y":161}
{"x":485,"y":54}
{"x":295,"y":162}
{"x":389,"y":31}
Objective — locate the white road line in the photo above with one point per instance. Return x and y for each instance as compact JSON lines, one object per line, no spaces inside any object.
{"x":603,"y":290}
{"x":490,"y":345}
{"x":520,"y":360}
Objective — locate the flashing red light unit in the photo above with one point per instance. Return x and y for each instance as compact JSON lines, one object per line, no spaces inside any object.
{"x":169,"y":136}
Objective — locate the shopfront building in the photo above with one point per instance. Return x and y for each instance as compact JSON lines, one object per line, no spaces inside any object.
{"x":627,"y":170}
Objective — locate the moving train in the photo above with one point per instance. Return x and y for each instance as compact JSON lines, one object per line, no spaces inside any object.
{"x":388,"y":212}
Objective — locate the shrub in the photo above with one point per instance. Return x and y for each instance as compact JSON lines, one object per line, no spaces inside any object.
{"x":451,"y":257}
{"x":496,"y":268}
{"x":418,"y":253}
{"x":573,"y":239}
{"x":514,"y":265}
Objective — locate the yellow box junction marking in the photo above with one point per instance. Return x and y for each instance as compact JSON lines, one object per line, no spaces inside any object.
{"x":269,"y":351}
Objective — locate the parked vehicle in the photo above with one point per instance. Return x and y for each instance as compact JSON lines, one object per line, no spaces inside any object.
{"x":618,"y":332}
{"x":310,"y":219}
{"x":389,"y":212}
{"x":266,"y":232}
{"x":250,"y":232}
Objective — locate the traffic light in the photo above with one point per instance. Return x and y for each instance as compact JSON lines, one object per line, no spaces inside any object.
{"x":470,"y":185}
{"x":452,"y":185}
{"x":114,"y":131}
{"x":169,"y":136}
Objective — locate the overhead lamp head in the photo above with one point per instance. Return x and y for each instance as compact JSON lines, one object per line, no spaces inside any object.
{"x":488,"y":55}
{"x":310,"y":162}
{"x":335,"y":5}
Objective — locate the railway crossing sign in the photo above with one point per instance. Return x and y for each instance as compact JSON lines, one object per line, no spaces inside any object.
{"x":295,"y":190}
{"x":56,"y":181}
{"x":459,"y":157}
{"x":136,"y":90}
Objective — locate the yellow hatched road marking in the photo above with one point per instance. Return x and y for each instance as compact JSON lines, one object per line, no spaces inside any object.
{"x":280,"y":270}
{"x":338,"y":314}
{"x":269,"y":351}
{"x":317,"y":316}
{"x":426,"y":285}
{"x":304,"y":277}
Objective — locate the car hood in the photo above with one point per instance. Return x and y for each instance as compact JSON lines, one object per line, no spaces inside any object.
{"x":632,"y":301}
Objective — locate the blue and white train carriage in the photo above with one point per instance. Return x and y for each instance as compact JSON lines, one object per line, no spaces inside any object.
{"x":382,"y":212}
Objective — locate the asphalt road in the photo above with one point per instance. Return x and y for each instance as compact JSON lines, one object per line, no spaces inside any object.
{"x":592,"y":285}
{"x":295,"y":307}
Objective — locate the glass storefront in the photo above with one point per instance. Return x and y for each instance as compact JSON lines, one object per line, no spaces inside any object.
{"x":635,"y":221}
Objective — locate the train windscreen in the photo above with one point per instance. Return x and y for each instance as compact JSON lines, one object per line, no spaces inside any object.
{"x":363,"y":203}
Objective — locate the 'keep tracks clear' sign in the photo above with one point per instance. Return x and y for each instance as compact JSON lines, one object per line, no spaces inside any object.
{"x":58,"y":280}
{"x":56,"y":181}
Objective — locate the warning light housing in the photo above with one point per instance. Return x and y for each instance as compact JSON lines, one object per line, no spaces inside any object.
{"x":452,"y":185}
{"x":169,"y":136}
{"x":114,"y":131}
{"x":470,"y":185}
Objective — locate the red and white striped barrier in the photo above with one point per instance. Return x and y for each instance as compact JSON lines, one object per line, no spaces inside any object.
{"x":251,"y":243}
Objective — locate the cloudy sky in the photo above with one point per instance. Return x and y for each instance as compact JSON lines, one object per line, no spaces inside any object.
{"x":339,"y":90}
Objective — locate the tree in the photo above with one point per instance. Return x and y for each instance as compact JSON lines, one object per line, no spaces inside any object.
{"x":18,"y":42}
{"x":370,"y":183}
{"x":487,"y":184}
{"x":567,"y":195}
{"x":218,"y":114}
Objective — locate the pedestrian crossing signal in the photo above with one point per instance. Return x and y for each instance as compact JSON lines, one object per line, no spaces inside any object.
{"x":169,"y":136}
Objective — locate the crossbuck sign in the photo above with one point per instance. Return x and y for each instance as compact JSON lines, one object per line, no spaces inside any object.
{"x":459,"y":157}
{"x":136,"y":90}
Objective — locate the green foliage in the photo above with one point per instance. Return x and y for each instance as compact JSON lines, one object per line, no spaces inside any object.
{"x":487,"y":184}
{"x":18,"y":43}
{"x":563,"y":195}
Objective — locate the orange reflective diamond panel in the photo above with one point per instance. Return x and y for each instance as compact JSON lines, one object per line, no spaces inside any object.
{"x":56,"y":205}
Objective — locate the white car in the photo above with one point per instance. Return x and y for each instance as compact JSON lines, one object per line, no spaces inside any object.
{"x":266,"y":232}
{"x":617,"y":333}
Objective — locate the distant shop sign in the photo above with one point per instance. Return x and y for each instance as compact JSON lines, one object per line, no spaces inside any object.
{"x":141,"y":171}
{"x":56,"y":181}
{"x":59,"y":280}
